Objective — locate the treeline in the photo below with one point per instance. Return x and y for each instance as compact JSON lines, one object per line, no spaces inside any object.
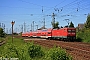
{"x":2,"y":33}
{"x":83,"y":35}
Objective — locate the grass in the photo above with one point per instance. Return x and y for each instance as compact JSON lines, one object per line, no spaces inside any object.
{"x":8,"y":39}
{"x":2,"y":47}
{"x":16,"y":41}
{"x":18,"y":48}
{"x":2,"y":39}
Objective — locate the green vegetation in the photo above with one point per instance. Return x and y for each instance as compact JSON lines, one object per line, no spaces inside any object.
{"x":71,"y":24}
{"x":84,"y":35}
{"x":1,"y":39}
{"x":55,"y":25}
{"x":2,"y":34}
{"x":57,"y":54}
{"x":29,"y":51}
{"x":35,"y":51}
{"x":87,"y":24}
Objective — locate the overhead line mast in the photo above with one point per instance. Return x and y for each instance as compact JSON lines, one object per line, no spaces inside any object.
{"x":33,"y":25}
{"x":24,"y":27}
{"x":44,"y":22}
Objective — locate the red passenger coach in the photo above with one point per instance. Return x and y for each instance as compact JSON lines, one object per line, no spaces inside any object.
{"x":46,"y":33}
{"x":30,"y":34}
{"x":38,"y":33}
{"x":25,"y":34}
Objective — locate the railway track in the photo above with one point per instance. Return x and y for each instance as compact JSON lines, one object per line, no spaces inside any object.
{"x":3,"y":42}
{"x":79,"y":51}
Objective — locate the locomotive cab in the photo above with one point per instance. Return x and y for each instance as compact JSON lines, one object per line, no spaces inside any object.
{"x":67,"y":34}
{"x":71,"y":34}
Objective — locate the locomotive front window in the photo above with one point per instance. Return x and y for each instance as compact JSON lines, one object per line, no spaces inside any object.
{"x":69,"y":30}
{"x":73,"y":30}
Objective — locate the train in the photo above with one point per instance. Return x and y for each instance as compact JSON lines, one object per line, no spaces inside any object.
{"x":67,"y":34}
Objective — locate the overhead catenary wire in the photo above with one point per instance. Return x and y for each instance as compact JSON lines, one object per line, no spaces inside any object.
{"x":68,"y":14}
{"x":66,"y":10}
{"x":34,"y":4}
{"x":75,"y":3}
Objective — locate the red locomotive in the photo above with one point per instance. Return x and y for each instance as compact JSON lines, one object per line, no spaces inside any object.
{"x":62,"y":34}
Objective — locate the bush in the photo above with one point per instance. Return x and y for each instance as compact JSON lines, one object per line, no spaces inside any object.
{"x":13,"y":51}
{"x":35,"y":51}
{"x":57,"y":54}
{"x":83,"y":36}
{"x":9,"y":51}
{"x":2,"y":34}
{"x":79,"y":39}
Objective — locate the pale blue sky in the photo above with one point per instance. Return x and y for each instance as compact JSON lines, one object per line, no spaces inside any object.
{"x":27,"y":11}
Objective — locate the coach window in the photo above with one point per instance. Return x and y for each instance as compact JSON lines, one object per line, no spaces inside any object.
{"x":49,"y":32}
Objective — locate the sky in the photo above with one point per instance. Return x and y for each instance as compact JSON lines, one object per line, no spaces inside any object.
{"x":24,"y":12}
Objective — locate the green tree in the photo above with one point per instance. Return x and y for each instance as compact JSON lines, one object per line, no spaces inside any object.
{"x":71,"y":24}
{"x":87,"y":24}
{"x":55,"y":25}
{"x":2,"y":34}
